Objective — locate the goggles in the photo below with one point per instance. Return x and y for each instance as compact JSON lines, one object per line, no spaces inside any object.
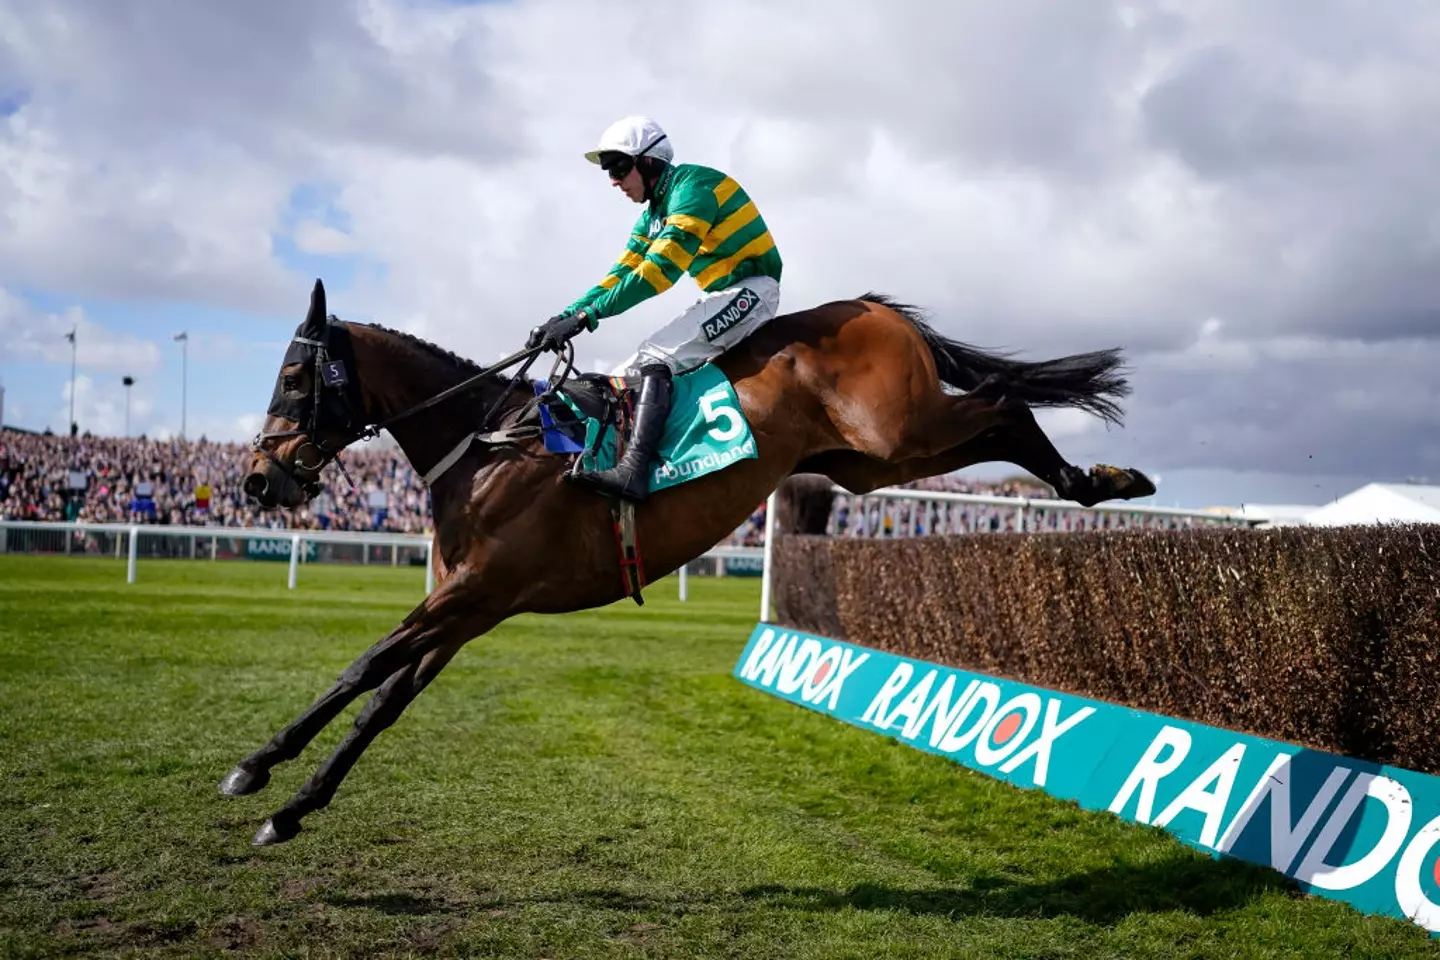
{"x":617,"y":165}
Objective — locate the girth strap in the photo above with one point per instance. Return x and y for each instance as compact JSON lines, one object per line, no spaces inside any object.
{"x":492,"y":437}
{"x":632,"y":565}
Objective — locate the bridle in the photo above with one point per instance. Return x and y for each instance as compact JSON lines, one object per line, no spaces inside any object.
{"x":334,"y":372}
{"x":328,"y":371}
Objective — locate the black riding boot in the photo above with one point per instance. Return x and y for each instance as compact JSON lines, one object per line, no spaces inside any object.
{"x":629,"y":477}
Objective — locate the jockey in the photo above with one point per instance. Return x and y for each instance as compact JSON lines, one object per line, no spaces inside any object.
{"x":699,"y":221}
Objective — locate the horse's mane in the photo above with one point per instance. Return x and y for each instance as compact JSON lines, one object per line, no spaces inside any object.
{"x":465,"y":364}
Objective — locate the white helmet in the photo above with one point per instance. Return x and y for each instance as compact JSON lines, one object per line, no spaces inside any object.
{"x":633,"y":136}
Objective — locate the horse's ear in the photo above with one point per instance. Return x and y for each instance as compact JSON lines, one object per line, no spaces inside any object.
{"x":315,"y":319}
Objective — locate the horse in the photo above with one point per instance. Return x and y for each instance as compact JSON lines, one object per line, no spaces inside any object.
{"x":863,"y":393}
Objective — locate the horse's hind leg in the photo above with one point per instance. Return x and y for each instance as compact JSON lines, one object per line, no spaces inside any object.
{"x":1021,"y":441}
{"x":896,"y":410}
{"x":404,"y":645}
{"x":1011,"y":436}
{"x":384,"y":708}
{"x":886,"y":401}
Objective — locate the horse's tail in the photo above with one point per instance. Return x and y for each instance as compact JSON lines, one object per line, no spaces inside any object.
{"x":1090,"y":381}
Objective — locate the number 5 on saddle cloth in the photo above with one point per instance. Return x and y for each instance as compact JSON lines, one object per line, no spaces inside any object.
{"x":706,"y":431}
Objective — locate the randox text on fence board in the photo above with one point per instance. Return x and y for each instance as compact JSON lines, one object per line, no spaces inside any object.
{"x":1345,"y":829}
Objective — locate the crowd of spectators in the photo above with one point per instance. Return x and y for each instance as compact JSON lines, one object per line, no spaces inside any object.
{"x":197,"y":483}
{"x":893,"y":516}
{"x":854,"y":517}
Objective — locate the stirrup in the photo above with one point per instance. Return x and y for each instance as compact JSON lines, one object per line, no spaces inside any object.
{"x":629,"y":477}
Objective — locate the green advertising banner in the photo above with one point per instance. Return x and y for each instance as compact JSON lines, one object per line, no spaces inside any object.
{"x":744,"y":566}
{"x":279,"y":549}
{"x":1344,"y":829}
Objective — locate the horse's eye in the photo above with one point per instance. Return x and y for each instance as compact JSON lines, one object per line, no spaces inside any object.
{"x":288,"y":383}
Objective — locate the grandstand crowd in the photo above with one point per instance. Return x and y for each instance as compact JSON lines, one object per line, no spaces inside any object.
{"x":197,"y":483}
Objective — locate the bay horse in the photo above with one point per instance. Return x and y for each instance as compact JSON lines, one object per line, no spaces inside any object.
{"x":862,"y":392}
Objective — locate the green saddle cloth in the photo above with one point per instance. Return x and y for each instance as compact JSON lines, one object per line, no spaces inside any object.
{"x":706,"y":431}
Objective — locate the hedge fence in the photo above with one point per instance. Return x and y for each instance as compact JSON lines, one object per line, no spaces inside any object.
{"x":1329,"y":638}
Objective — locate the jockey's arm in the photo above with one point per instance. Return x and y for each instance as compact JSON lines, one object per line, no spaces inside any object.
{"x":645,"y":271}
{"x":635,"y":247}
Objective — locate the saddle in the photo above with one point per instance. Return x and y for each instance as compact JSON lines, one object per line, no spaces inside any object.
{"x":564,"y":411}
{"x":563,"y":416}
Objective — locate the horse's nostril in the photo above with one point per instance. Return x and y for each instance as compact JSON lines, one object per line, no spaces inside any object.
{"x":255,"y":485}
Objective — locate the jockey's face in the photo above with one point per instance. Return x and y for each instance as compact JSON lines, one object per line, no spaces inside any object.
{"x":632,"y":185}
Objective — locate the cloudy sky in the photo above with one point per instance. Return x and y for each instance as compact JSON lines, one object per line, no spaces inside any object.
{"x":1243,"y":195}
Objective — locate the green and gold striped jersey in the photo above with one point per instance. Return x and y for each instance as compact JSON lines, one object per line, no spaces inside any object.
{"x":700,"y":222}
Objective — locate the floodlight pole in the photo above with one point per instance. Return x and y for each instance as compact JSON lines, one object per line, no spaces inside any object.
{"x":71,"y":337}
{"x":129,"y":382}
{"x":183,"y":338}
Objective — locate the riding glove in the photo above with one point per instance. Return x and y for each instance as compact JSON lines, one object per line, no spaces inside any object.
{"x":553,"y":333}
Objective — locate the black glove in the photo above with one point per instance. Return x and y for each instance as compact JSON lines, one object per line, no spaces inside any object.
{"x":553,"y":333}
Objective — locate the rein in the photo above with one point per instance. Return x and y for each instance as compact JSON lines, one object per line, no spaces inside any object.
{"x":568,"y":356}
{"x":332,"y":373}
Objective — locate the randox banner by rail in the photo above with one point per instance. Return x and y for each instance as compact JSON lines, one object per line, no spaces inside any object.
{"x":279,"y":549}
{"x":1342,"y":828}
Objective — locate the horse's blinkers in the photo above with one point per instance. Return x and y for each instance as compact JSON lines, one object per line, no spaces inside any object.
{"x":327,"y":353}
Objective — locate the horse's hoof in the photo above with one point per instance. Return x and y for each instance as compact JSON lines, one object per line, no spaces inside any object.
{"x":241,"y":782}
{"x":1142,"y":488}
{"x":272,"y":833}
{"x":1115,"y":483}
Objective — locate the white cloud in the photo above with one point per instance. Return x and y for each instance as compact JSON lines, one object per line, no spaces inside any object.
{"x":313,"y":237}
{"x":100,"y":408}
{"x":1064,"y":423}
{"x":1296,"y":404}
{"x":190,"y":223}
{"x":29,"y":335}
{"x":1239,"y":194}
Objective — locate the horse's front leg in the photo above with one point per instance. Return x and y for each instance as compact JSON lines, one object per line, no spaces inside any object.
{"x":367,"y":672}
{"x":405,"y":644}
{"x":383,"y":709}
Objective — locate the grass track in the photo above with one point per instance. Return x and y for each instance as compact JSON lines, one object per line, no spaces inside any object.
{"x":594,"y":785}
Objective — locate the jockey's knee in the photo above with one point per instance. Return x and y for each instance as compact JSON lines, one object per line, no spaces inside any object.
{"x":650,"y":363}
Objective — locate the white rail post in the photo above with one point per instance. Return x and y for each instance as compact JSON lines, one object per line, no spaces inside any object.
{"x":429,"y":568}
{"x":684,"y":581}
{"x":766,"y":572}
{"x":134,"y":554}
{"x":294,"y":558}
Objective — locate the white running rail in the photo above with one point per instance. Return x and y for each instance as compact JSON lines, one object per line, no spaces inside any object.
{"x":213,"y":543}
{"x":926,"y":512}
